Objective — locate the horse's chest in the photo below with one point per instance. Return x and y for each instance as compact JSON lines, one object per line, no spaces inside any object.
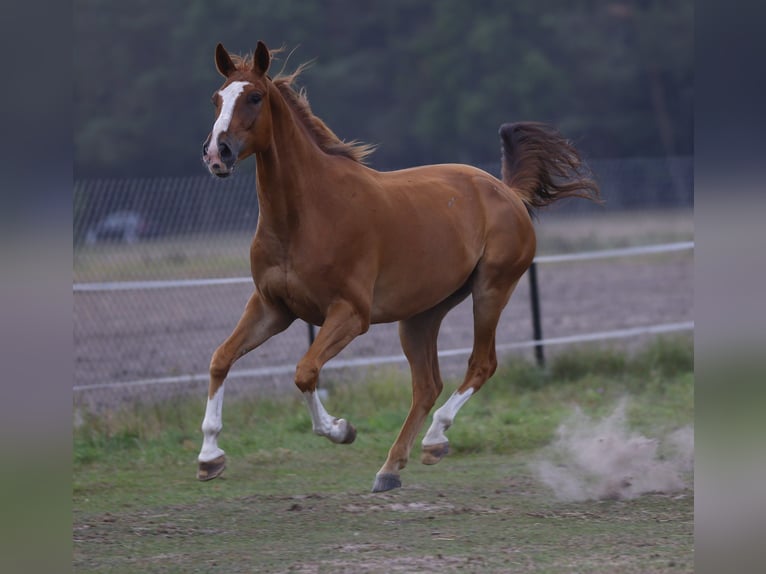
{"x":304,"y":276}
{"x":292,"y":289}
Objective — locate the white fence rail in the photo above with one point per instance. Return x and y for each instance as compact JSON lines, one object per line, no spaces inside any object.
{"x":390,"y":359}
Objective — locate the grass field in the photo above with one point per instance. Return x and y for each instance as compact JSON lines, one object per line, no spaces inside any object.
{"x":293,"y":502}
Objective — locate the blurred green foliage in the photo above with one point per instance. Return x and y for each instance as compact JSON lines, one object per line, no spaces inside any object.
{"x":429,"y":82}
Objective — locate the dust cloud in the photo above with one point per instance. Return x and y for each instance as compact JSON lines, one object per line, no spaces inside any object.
{"x":601,"y":459}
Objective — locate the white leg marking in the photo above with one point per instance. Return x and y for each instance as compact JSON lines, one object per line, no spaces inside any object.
{"x":322,"y":422}
{"x":229,"y":96}
{"x":443,"y":418}
{"x":211,"y":427}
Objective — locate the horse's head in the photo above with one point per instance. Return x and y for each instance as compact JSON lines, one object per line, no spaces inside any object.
{"x":243,"y":123}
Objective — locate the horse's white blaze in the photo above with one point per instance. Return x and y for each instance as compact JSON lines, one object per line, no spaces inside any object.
{"x":211,"y":427}
{"x":443,"y":418}
{"x":322,"y":422}
{"x":229,"y":96}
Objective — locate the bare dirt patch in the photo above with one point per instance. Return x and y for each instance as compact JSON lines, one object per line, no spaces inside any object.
{"x":476,"y":514}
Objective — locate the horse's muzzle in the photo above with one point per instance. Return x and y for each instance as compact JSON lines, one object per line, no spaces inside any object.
{"x":220,"y":162}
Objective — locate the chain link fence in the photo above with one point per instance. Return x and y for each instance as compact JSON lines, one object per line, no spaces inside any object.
{"x":154,"y":343}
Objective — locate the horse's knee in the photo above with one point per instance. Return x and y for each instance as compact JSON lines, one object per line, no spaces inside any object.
{"x":219,"y":365}
{"x":306,"y":376}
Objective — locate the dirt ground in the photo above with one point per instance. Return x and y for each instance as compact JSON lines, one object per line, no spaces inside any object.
{"x":474,"y":514}
{"x":128,"y":336}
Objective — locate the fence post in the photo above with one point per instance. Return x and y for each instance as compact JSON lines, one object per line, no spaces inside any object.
{"x":536,"y":322}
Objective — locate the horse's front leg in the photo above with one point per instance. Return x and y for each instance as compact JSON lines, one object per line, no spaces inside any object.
{"x":258,"y":323}
{"x":343,"y":323}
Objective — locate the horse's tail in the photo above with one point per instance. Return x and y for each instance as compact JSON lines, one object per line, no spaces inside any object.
{"x":542,"y":166}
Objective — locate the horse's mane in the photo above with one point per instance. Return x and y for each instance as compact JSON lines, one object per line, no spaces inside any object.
{"x":298,"y":101}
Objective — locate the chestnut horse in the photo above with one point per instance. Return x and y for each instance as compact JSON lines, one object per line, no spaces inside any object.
{"x":343,"y":246}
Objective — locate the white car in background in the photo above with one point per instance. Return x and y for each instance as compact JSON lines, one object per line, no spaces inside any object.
{"x":118,"y":226}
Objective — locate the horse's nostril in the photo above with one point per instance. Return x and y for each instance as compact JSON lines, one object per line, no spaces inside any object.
{"x":205,"y":147}
{"x":224,"y":150}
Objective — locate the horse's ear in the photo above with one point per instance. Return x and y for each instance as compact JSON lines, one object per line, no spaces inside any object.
{"x":223,"y":62}
{"x":261,"y":59}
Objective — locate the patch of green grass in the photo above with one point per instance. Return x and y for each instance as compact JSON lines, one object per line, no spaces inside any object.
{"x":202,"y":255}
{"x":516,"y":411}
{"x":522,"y":405}
{"x":567,"y":234}
{"x":136,"y":500}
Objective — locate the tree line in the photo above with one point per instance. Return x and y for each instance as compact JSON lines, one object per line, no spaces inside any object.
{"x":426,"y":81}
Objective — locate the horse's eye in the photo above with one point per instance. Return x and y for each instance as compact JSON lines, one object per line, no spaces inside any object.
{"x":254,"y":98}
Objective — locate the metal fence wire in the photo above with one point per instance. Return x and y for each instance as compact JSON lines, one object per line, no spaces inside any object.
{"x":156,"y":343}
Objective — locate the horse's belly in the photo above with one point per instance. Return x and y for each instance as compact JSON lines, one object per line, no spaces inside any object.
{"x":407,"y":290}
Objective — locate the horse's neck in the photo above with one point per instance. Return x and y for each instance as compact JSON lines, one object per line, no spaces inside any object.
{"x":282,"y":172}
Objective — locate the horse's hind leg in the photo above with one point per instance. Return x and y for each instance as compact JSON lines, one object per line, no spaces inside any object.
{"x":418,"y":336}
{"x":489,"y":299}
{"x":258,"y":323}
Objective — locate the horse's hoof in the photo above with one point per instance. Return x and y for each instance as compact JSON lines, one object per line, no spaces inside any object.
{"x":385,"y":482}
{"x":350,"y":434}
{"x":433,"y":453}
{"x":211,"y":469}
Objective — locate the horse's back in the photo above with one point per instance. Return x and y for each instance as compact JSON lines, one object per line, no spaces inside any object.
{"x":461,"y":201}
{"x":440,"y":221}
{"x":476,"y":188}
